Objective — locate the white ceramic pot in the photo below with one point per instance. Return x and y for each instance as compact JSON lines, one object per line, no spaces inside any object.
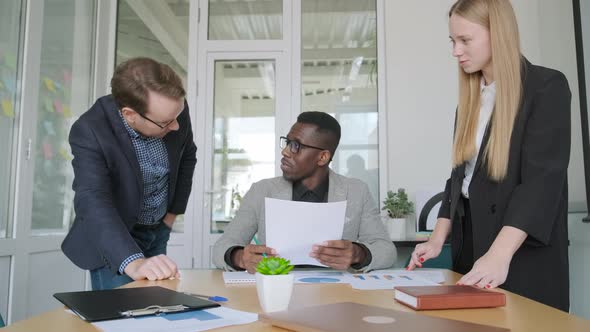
{"x":274,"y":292}
{"x":396,"y":227}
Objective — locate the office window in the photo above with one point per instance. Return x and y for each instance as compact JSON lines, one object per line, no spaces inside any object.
{"x":245,"y":19}
{"x":339,"y":76}
{"x":244,"y":133}
{"x":64,"y":93}
{"x":156,"y":29}
{"x":10,"y":37}
{"x":159,"y":30}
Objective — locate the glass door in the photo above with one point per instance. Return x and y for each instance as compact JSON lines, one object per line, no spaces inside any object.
{"x":243,"y":105}
{"x":11,"y":23}
{"x":242,"y":116}
{"x":244,"y":108}
{"x":47,"y":76}
{"x":261,"y":63}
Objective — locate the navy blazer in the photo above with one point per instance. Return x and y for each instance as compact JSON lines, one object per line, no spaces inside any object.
{"x":533,"y":195}
{"x":108,"y":184}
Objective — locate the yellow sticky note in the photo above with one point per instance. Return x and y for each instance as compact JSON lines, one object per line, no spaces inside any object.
{"x":8,"y":108}
{"x":67,"y":112}
{"x":64,"y":154}
{"x":49,"y":84}
{"x":48,"y":105}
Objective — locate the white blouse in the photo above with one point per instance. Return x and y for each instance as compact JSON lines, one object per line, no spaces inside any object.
{"x":488,"y":99}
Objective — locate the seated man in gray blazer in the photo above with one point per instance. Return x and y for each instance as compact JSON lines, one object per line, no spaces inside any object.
{"x":307,"y":151}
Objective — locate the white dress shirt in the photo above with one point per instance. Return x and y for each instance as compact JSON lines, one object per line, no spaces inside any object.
{"x":488,"y":99}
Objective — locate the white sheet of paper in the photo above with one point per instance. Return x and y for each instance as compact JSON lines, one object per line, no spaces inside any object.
{"x":191,"y":321}
{"x":238,"y":277}
{"x":292,"y":228}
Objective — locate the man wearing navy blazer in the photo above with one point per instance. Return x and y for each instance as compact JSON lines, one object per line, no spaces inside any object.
{"x":134,"y":159}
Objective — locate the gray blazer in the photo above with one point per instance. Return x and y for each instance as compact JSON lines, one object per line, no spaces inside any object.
{"x":362,"y":224}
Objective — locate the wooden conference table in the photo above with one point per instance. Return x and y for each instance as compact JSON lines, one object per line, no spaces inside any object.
{"x":519,"y":314}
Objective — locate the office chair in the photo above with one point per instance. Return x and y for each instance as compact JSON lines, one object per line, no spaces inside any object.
{"x":426,"y":209}
{"x":444,"y":260}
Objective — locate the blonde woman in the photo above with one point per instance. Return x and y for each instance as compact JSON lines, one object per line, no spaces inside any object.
{"x":505,"y":204}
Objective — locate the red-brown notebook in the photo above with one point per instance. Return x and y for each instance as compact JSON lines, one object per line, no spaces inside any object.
{"x":448,"y":297}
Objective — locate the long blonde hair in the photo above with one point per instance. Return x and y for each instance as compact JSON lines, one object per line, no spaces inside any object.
{"x":498,"y":17}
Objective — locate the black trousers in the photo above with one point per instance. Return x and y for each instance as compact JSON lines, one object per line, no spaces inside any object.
{"x":464,"y":261}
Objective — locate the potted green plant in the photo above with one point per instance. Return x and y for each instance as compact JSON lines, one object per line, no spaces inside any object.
{"x":274,"y":284}
{"x":398,"y":208}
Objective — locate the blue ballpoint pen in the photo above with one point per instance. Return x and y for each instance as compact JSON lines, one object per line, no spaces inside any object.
{"x":215,"y":298}
{"x":257,"y":243}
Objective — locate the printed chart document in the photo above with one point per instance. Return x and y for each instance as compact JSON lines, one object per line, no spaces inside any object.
{"x":388,"y":280}
{"x":300,"y":277}
{"x":292,"y":228}
{"x":378,"y":279}
{"x":190,"y":321}
{"x":321,"y":277}
{"x":434,"y":275}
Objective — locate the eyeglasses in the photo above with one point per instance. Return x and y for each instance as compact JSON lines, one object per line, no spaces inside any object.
{"x":295,"y":146}
{"x":157,"y":124}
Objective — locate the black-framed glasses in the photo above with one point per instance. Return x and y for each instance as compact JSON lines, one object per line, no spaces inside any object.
{"x":154,"y":122}
{"x":295,"y":146}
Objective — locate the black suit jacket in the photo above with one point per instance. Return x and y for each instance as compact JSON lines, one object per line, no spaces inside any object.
{"x":108,"y":184}
{"x":534,"y":195}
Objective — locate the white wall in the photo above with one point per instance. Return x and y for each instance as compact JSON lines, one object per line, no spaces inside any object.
{"x":421,"y":94}
{"x":554,"y":36}
{"x":422,"y":86}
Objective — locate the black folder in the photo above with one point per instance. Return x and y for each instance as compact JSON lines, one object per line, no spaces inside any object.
{"x":93,"y":306}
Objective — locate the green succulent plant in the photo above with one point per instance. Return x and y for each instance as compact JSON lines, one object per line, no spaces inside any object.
{"x":274,"y":266}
